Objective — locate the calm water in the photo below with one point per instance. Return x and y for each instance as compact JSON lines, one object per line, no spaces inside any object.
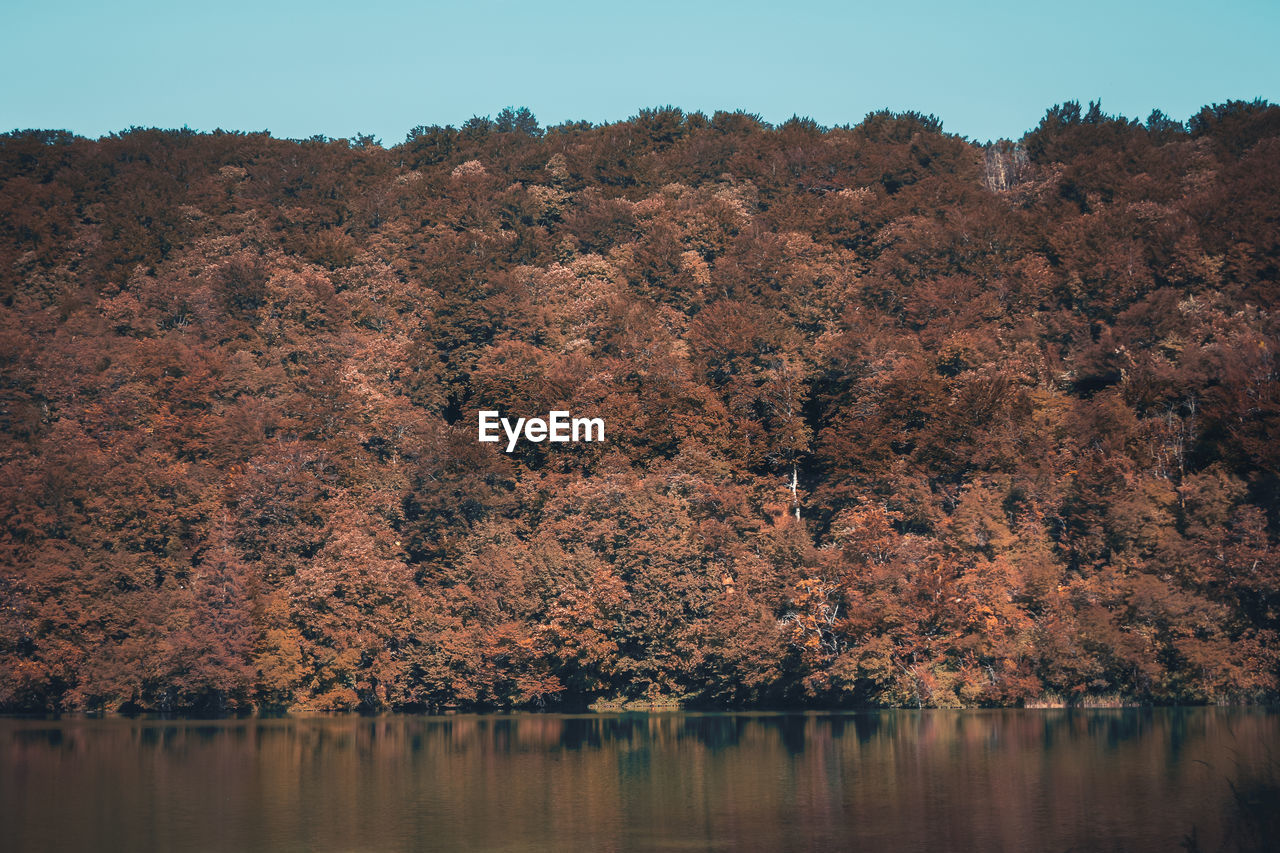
{"x":900,"y":780}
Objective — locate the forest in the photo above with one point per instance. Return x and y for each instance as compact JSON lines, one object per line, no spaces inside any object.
{"x":894,"y":418}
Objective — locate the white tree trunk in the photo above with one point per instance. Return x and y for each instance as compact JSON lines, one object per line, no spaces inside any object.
{"x":795,"y":484}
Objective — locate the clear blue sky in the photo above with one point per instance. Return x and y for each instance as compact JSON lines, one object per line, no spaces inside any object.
{"x":383,"y":66}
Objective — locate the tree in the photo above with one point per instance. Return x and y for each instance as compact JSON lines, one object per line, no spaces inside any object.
{"x":517,"y":120}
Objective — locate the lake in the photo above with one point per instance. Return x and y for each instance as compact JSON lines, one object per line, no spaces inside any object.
{"x":1055,"y":780}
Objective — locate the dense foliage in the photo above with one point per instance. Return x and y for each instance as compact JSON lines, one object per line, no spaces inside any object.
{"x":893,"y":418}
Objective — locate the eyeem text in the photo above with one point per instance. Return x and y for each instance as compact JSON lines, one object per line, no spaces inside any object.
{"x":558,"y":426}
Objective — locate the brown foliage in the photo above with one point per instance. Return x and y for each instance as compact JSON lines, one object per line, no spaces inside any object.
{"x":892,"y":418}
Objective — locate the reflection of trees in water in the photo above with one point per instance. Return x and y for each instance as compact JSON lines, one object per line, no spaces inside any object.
{"x":1256,"y":797}
{"x":1252,"y":818}
{"x":977,"y":780}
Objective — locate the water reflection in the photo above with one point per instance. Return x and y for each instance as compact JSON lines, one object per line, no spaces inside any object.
{"x":904,"y":780}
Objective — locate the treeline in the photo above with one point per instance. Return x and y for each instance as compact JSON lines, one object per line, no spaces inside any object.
{"x":893,"y":418}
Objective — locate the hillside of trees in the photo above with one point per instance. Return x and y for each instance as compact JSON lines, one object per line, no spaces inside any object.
{"x":893,"y":418}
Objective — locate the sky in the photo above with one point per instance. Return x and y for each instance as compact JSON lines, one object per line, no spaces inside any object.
{"x":383,"y":67}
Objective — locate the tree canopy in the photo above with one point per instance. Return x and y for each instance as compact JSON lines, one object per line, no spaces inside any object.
{"x":894,"y":418}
